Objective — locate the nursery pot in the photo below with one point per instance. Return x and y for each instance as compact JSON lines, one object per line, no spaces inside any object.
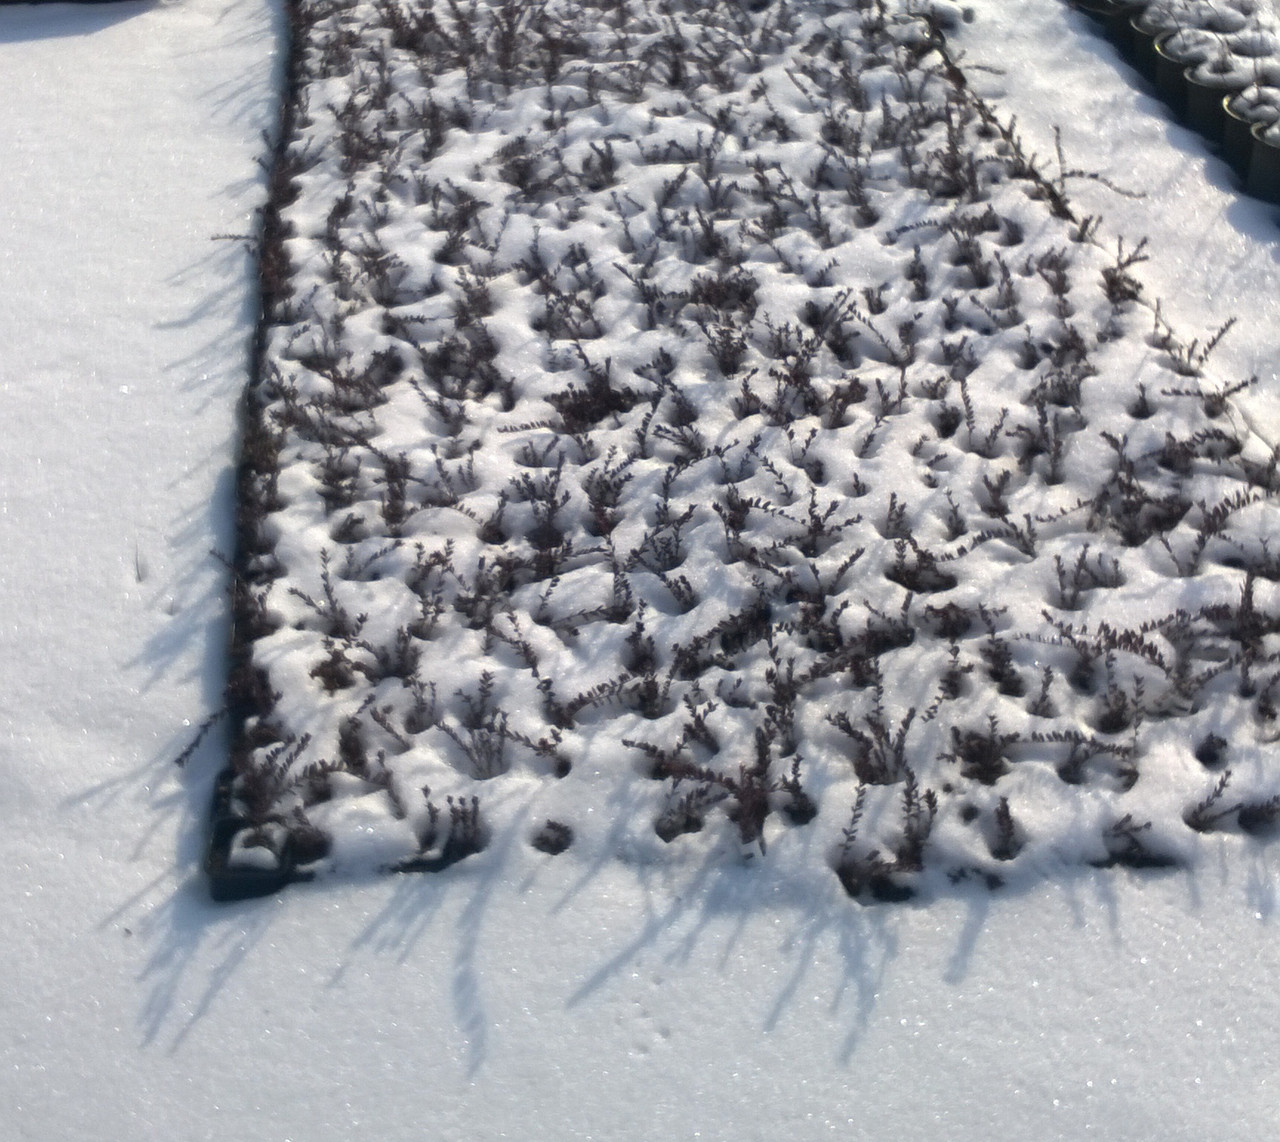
{"x":1206,"y":98}
{"x":1237,"y":138}
{"x":1142,"y":46}
{"x":1170,"y":75}
{"x":1263,"y":180}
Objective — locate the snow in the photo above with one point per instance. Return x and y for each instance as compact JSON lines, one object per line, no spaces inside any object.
{"x":683,"y":999}
{"x":805,"y":537}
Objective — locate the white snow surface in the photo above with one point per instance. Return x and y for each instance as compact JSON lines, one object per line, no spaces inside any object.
{"x":481,"y":575}
{"x":609,"y":1001}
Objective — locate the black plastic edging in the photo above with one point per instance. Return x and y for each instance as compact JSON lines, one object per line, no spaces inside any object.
{"x":244,"y":697}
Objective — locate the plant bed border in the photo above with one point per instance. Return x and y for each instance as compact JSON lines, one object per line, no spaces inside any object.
{"x":980,"y":757}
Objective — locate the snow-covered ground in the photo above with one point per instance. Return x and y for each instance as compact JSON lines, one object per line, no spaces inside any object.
{"x":601,"y":1004}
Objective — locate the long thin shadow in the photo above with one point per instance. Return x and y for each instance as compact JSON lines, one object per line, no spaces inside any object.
{"x":186,"y":927}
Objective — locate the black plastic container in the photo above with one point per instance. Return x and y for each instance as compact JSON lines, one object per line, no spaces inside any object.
{"x":1170,"y":75}
{"x":1237,"y":138}
{"x":1255,"y":107}
{"x":1207,"y":93}
{"x":1205,"y":99}
{"x":1263,"y":181}
{"x":1142,"y":45}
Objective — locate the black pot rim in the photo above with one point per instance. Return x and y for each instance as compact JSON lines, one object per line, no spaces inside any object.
{"x":1195,"y":81}
{"x":1232,"y":114}
{"x":1259,"y":129}
{"x":1161,"y":47}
